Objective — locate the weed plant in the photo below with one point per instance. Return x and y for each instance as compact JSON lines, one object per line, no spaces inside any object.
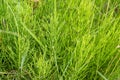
{"x":60,"y":40}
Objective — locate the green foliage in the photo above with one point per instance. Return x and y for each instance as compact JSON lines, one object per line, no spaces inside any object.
{"x":59,"y":40}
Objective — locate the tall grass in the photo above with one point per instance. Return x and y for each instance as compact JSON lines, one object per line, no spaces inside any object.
{"x":60,"y":40}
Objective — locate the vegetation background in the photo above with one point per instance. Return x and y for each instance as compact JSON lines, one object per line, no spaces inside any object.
{"x":60,"y":40}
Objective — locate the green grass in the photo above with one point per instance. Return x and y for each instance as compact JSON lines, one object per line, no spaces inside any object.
{"x":60,"y":40}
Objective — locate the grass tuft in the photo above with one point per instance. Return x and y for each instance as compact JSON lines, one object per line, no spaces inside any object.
{"x":59,"y":40}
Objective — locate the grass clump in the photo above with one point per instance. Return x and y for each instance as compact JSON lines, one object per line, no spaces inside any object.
{"x":59,"y":40}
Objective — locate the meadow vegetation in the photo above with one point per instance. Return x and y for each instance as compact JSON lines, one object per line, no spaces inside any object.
{"x":60,"y":40}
